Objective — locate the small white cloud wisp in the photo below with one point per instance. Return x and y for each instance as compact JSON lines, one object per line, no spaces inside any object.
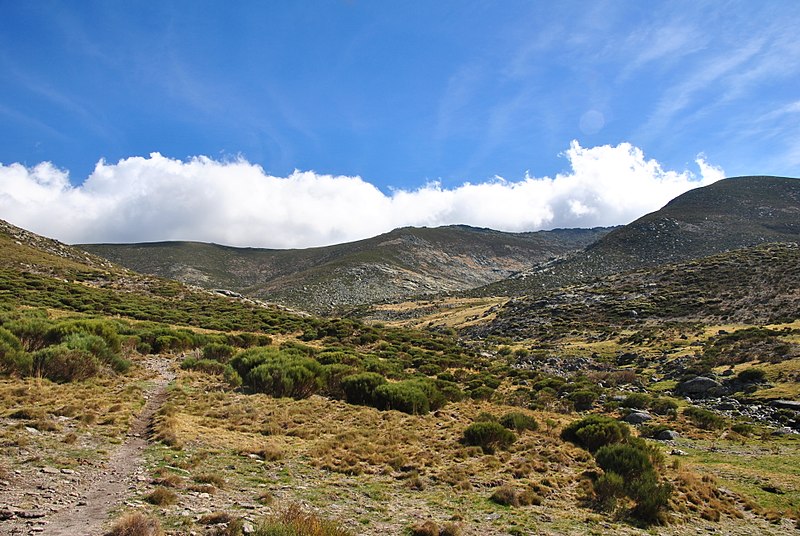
{"x":236,"y":203}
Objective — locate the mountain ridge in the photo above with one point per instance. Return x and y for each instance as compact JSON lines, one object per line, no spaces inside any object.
{"x":729,"y":214}
{"x":405,"y":262}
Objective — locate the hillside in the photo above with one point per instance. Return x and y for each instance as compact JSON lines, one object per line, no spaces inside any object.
{"x":729,"y":214}
{"x":758,"y":285}
{"x":130,"y":401}
{"x":400,"y":264}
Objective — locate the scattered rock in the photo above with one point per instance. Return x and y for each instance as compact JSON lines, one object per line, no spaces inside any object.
{"x":668,"y":435}
{"x":785,"y":404}
{"x":699,"y":387}
{"x":637,"y":417}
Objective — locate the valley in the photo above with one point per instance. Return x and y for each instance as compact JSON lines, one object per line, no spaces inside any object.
{"x":641,"y":380}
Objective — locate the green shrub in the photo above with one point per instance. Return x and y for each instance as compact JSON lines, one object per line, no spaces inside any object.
{"x":516,"y":420}
{"x":360,"y":388}
{"x":490,"y":436}
{"x":62,"y":364}
{"x":13,"y":360}
{"x":435,"y":397}
{"x":743,"y":428}
{"x":595,"y":431}
{"x":450,"y":390}
{"x":278,"y":373}
{"x":101,"y":328}
{"x":210,"y":366}
{"x":406,"y":396}
{"x":650,"y":495}
{"x":218,"y":352}
{"x":98,"y":347}
{"x":31,"y":332}
{"x":708,"y":420}
{"x":583,"y":399}
{"x":608,"y":488}
{"x":636,"y":401}
{"x":483,"y":392}
{"x":632,"y":464}
{"x":628,"y":461}
{"x":485,"y":416}
{"x":752,"y":375}
{"x":664,"y":406}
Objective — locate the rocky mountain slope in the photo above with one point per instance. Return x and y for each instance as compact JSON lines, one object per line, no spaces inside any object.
{"x":730,"y":214}
{"x":758,"y":285}
{"x":403,"y":263}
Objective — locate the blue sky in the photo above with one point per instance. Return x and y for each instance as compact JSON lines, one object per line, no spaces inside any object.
{"x":399,"y":93}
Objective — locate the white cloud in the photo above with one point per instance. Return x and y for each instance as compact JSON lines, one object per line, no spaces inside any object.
{"x":235,"y":202}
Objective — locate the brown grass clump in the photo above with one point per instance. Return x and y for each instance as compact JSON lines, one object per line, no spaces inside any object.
{"x":216,"y":518}
{"x":295,"y":522}
{"x":427,"y":528}
{"x":207,"y":478}
{"x":509,"y":496}
{"x":136,"y":524}
{"x":702,"y":495}
{"x":169,"y":480}
{"x":162,"y":497}
{"x":70,"y":438}
{"x":202,"y":488}
{"x":450,"y":529}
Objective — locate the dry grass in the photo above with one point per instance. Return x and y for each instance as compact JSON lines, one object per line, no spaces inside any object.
{"x":136,"y":524}
{"x":294,"y":521}
{"x":162,"y":496}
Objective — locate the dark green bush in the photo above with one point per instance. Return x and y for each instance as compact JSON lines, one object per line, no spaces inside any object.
{"x":704,"y":418}
{"x":628,"y":461}
{"x":609,"y":487}
{"x":209,"y":366}
{"x":406,"y":396}
{"x":279,"y":373}
{"x":583,"y":399}
{"x":98,"y":347}
{"x":595,"y":431}
{"x":664,"y":406}
{"x":435,"y":397}
{"x":62,"y":364}
{"x":490,"y":436}
{"x":752,"y":375}
{"x":218,"y":352}
{"x":743,"y":428}
{"x":485,"y":416}
{"x":636,"y":401}
{"x":651,"y":497}
{"x":481,"y":393}
{"x":101,"y":328}
{"x":360,"y":388}
{"x":31,"y":332}
{"x":516,"y":420}
{"x":13,"y":360}
{"x":634,"y":465}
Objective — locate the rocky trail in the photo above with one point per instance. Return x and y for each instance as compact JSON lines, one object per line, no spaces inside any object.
{"x":71,"y":502}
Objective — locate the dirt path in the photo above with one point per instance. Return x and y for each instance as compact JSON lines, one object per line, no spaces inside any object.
{"x":91,"y":499}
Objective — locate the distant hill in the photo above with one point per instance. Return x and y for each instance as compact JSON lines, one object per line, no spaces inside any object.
{"x":729,"y":214}
{"x":757,"y":285}
{"x":400,"y":264}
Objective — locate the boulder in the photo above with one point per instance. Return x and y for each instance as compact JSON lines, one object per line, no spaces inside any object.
{"x":699,"y":387}
{"x":637,"y":417}
{"x":785,"y":404}
{"x":668,"y":435}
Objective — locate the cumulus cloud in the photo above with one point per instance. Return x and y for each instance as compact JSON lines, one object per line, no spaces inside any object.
{"x":236,"y":203}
